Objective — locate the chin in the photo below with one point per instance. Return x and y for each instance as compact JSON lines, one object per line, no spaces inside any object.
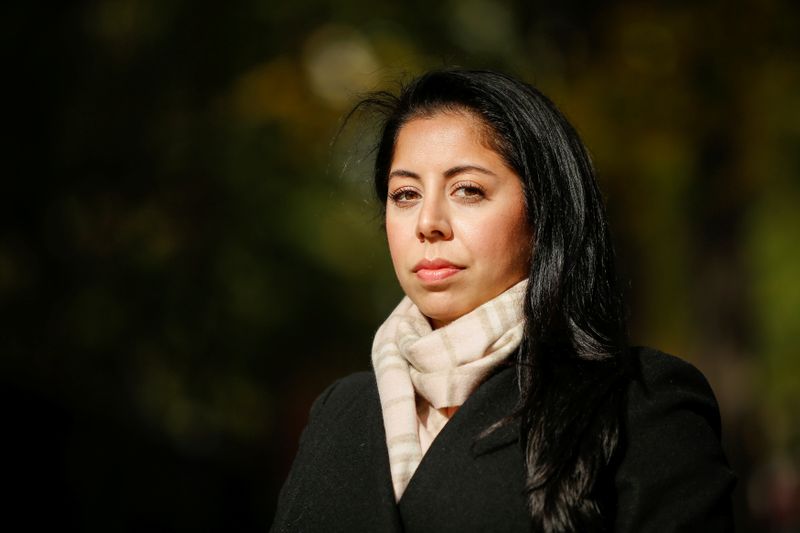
{"x":443,"y":311}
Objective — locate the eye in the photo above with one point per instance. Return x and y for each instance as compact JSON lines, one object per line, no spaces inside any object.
{"x":403,"y":196}
{"x":469,"y":192}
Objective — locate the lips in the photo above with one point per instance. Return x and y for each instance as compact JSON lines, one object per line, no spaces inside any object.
{"x":431,"y":270}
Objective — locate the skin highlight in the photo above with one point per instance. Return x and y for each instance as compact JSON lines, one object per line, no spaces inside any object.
{"x":455,"y":217}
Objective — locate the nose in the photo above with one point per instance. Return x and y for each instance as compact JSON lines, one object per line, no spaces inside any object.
{"x":433,"y":222}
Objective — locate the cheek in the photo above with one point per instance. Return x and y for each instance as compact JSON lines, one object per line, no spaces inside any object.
{"x":502,"y":239}
{"x":395,"y":240}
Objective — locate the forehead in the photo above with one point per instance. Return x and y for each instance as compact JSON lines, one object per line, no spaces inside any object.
{"x":445,"y":134}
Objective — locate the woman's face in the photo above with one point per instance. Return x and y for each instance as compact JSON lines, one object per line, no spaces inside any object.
{"x":455,"y":217}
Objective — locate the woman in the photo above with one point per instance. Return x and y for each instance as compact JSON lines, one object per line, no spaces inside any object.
{"x":503,"y":395}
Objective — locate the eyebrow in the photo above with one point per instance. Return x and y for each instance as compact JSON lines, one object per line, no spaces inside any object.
{"x":449,"y":173}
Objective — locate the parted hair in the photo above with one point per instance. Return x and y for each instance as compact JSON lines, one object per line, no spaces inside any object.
{"x":573,"y":360}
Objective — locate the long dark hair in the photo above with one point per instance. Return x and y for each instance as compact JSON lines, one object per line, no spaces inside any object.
{"x":573,"y":359}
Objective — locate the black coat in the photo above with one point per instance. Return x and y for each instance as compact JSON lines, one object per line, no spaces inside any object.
{"x":672,"y":476}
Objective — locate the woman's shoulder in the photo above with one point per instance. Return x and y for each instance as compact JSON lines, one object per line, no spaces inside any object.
{"x":355,"y":384}
{"x":345,"y":392}
{"x":672,"y":473}
{"x":658,"y":367}
{"x":663,"y":382}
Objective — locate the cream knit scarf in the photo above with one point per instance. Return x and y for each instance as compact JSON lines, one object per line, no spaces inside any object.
{"x":441,"y":366}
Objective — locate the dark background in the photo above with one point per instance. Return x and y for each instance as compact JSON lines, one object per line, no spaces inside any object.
{"x":186,"y":259}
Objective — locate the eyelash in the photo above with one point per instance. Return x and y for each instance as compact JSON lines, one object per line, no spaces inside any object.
{"x":396,"y":196}
{"x":477,"y":193}
{"x":472,"y":187}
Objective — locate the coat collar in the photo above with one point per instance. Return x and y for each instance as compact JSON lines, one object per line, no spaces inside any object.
{"x":465,"y":483}
{"x":494,"y":399}
{"x":491,"y":402}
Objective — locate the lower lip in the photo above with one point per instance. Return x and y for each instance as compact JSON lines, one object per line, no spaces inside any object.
{"x":437,"y":274}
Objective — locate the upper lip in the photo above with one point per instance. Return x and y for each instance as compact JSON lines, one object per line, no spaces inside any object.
{"x":434,"y":264}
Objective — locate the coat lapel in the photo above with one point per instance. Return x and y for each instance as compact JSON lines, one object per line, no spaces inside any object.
{"x":490,"y":402}
{"x":381,"y":490}
{"x":340,"y":477}
{"x":466,"y":482}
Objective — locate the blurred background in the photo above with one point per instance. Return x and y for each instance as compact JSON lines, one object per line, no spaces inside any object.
{"x":187,"y":259}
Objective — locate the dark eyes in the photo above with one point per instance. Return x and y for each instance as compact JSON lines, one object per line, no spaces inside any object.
{"x":465,"y":192}
{"x":403,"y":195}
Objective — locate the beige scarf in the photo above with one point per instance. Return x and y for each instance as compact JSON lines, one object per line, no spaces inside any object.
{"x":442,"y":366}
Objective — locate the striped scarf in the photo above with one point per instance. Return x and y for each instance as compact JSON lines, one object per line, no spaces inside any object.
{"x":442,"y":366}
